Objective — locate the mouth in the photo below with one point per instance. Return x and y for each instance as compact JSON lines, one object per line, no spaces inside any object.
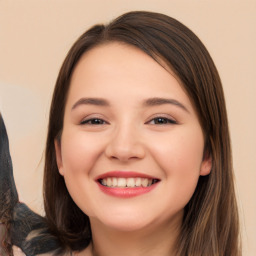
{"x":133,"y":182}
{"x":126,"y":184}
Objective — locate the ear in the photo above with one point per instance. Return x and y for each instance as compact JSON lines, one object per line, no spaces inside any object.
{"x":206,"y":165}
{"x":57,"y":145}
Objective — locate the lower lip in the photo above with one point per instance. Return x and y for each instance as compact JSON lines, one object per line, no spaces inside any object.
{"x":126,"y":192}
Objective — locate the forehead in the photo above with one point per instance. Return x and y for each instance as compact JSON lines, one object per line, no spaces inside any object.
{"x":119,"y":56}
{"x":123,"y":52}
{"x":115,"y":69}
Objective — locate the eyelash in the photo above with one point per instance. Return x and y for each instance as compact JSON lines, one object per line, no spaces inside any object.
{"x":90,"y":121}
{"x":164,"y":121}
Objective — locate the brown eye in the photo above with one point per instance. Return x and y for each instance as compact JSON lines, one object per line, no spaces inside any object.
{"x":94,"y":121}
{"x":162,"y":121}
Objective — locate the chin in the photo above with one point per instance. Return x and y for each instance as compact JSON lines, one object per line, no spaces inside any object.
{"x":125,"y":222}
{"x":125,"y":226}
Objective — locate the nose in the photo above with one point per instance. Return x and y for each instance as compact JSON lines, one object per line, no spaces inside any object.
{"x":125,"y":144}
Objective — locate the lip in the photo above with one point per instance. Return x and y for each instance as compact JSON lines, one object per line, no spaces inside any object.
{"x":127,"y":192}
{"x":125,"y":174}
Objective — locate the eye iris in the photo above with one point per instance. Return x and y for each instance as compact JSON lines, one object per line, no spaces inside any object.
{"x":160,"y":120}
{"x":96,"y":121}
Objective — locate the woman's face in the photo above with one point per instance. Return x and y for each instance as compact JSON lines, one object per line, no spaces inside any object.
{"x":131,"y":150}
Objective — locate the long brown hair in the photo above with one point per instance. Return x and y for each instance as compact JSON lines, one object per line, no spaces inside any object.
{"x":210,"y":225}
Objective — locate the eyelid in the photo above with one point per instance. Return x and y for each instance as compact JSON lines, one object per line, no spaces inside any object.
{"x":87,"y":121}
{"x":91,"y":117}
{"x":170,"y":119}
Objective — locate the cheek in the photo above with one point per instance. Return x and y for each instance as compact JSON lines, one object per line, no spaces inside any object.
{"x":181,"y":152}
{"x":79,"y":152}
{"x":180,"y":157}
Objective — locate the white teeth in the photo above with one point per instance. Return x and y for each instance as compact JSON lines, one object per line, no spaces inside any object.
{"x":121,"y":182}
{"x":130,"y":182}
{"x":144,"y":182}
{"x":126,"y":182}
{"x":114,"y":182}
{"x":138,"y":182}
{"x":109,"y":182}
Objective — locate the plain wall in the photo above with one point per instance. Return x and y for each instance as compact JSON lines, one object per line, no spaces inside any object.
{"x":36,"y":35}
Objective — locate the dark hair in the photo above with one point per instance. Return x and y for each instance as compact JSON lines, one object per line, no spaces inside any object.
{"x":210,"y":225}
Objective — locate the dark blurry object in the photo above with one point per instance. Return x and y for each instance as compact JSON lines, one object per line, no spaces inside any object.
{"x":20,"y":226}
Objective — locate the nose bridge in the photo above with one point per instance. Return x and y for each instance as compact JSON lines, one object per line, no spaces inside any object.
{"x":125,"y":142}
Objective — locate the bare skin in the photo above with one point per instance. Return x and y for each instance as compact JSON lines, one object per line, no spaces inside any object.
{"x":162,"y":140}
{"x":130,"y":132}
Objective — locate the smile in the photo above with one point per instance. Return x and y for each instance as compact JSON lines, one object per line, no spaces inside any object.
{"x":116,"y":182}
{"x":126,"y":184}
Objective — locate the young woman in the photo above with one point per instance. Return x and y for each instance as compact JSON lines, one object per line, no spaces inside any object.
{"x":138,"y":157}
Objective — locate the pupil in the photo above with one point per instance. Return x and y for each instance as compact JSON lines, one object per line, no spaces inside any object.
{"x":160,"y":121}
{"x":96,"y":121}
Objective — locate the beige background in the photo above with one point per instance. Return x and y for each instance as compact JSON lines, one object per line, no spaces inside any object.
{"x":35,"y":36}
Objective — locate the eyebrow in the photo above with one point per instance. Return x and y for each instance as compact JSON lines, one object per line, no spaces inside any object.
{"x":91,"y":101}
{"x":147,"y":103}
{"x":162,"y":101}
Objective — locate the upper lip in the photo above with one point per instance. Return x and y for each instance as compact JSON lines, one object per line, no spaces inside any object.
{"x":124,"y":174}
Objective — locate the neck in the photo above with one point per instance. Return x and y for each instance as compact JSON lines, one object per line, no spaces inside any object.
{"x":150,"y":241}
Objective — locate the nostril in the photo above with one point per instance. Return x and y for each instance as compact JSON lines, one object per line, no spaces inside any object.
{"x":124,"y":148}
